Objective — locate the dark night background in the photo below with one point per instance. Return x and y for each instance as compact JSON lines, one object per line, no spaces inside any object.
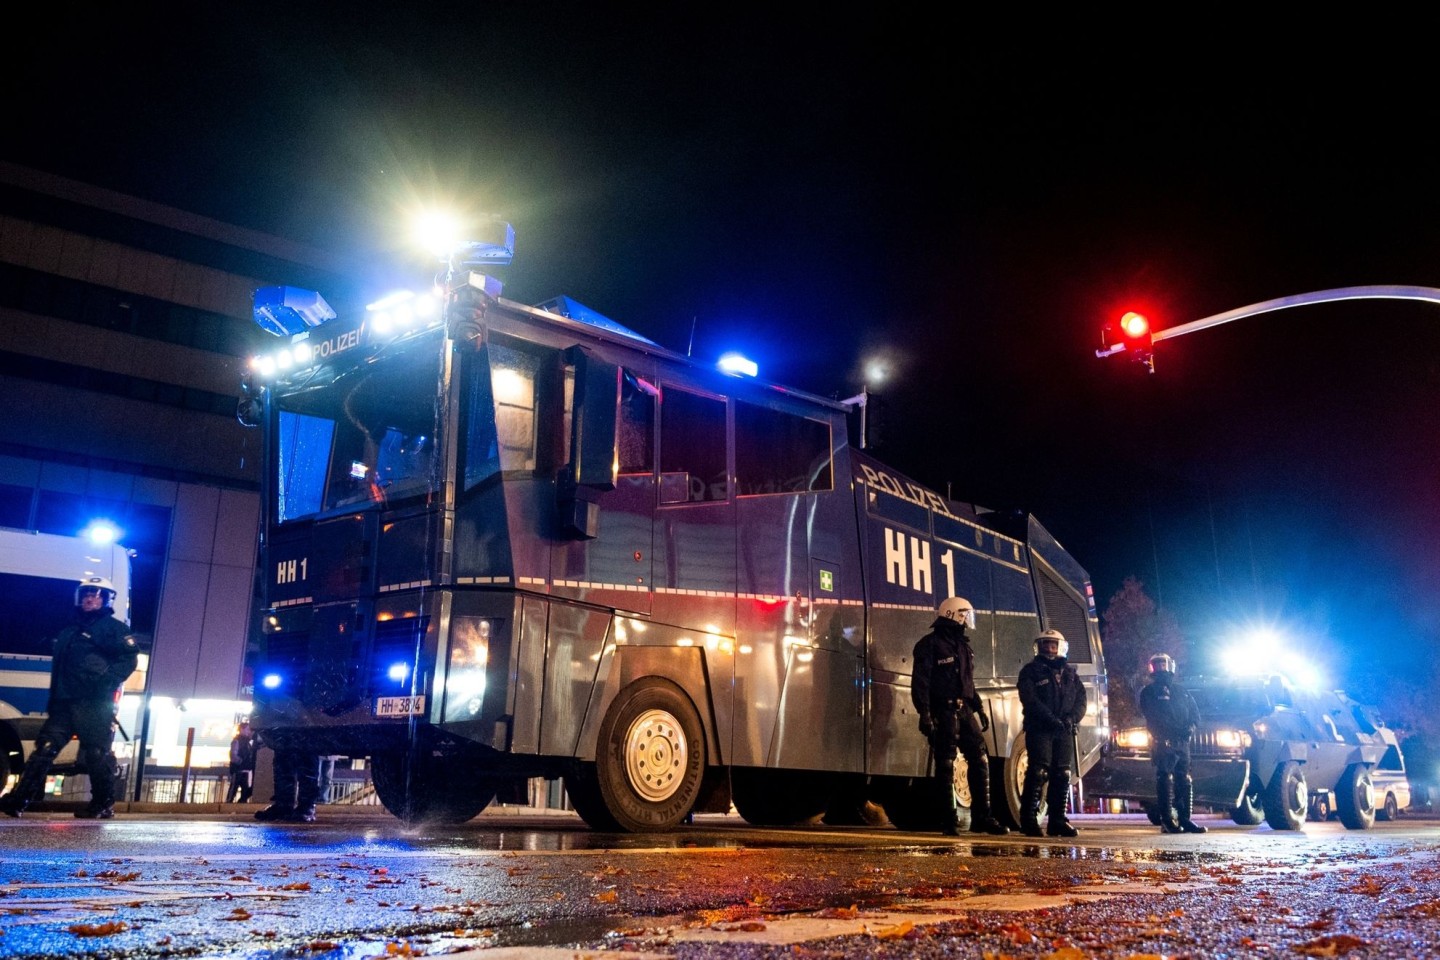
{"x":971,"y":204}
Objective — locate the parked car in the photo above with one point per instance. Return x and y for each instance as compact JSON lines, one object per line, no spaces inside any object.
{"x":1266,"y":750}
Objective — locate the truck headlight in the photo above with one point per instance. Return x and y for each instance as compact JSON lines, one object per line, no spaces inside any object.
{"x":465,"y":672}
{"x":1230,"y":739}
{"x":1132,"y":738}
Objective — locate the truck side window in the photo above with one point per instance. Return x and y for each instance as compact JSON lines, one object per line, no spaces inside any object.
{"x":516,"y":379}
{"x":778,"y":452}
{"x":692,"y":447}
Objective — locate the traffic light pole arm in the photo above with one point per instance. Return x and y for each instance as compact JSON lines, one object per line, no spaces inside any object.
{"x":1430,"y":294}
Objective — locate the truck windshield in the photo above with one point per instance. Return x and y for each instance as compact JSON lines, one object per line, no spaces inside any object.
{"x":1236,"y":703}
{"x":363,"y":441}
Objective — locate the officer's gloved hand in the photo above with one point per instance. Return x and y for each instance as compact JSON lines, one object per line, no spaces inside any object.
{"x":927,"y":726}
{"x":984,"y":720}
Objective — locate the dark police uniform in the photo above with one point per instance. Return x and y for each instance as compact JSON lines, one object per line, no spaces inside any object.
{"x":93,"y":656}
{"x":1053,"y":699}
{"x":951,"y":712}
{"x":1171,"y":717}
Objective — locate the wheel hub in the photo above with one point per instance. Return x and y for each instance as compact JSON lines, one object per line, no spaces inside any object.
{"x":655,"y":755}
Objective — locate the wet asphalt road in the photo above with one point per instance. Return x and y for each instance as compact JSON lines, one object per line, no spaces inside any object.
{"x":224,"y":886}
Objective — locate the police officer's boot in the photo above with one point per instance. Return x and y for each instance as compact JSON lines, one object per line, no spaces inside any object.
{"x":100,"y":764}
{"x":276,"y":811}
{"x":1030,"y":803}
{"x":982,"y":819}
{"x":32,"y":781}
{"x":1184,"y":800}
{"x":1058,"y":796}
{"x":1165,"y":801}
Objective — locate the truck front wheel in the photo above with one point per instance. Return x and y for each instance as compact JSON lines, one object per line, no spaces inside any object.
{"x":649,"y":761}
{"x":1287,"y":799}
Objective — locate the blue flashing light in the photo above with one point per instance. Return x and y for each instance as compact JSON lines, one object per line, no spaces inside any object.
{"x":286,"y":311}
{"x":398,"y":672}
{"x":271,"y":681}
{"x":102,"y":533}
{"x":737,"y":365}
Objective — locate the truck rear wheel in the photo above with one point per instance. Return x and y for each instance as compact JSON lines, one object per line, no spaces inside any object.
{"x":1287,"y":799}
{"x":1355,"y":798}
{"x":432,"y":789}
{"x":1391,"y":809}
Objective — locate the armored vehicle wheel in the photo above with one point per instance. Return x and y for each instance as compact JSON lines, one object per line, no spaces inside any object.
{"x":1391,"y":809}
{"x":418,"y":787}
{"x":1287,"y":798}
{"x":8,"y":765}
{"x":1250,"y":810}
{"x":778,"y":798}
{"x":1356,"y":798}
{"x":912,"y":804}
{"x":649,"y":761}
{"x":1320,"y":808}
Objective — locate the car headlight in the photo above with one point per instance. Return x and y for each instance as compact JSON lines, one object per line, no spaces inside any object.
{"x":1132,"y":738}
{"x":1230,"y":739}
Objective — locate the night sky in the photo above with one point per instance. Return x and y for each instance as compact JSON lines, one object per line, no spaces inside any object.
{"x":968,"y":202}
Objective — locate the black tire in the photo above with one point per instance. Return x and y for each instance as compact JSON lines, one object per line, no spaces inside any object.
{"x":1319,"y":808}
{"x":780,"y":798}
{"x":8,"y":765}
{"x":649,"y":760}
{"x":850,"y":804}
{"x":912,"y":804}
{"x":1286,"y":798}
{"x":1390,"y":810}
{"x":1251,"y":809}
{"x":582,"y":784}
{"x":421,"y":788}
{"x":1355,"y":800}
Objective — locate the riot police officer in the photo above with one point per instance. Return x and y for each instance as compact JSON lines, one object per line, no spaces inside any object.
{"x":952,"y":716}
{"x":1171,"y":717}
{"x":93,"y":656}
{"x":1053,"y":700}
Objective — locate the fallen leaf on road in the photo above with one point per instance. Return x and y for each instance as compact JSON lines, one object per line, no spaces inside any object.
{"x":1336,"y":945}
{"x":108,"y":929}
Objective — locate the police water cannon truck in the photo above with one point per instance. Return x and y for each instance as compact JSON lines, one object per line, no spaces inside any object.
{"x":503,"y":542}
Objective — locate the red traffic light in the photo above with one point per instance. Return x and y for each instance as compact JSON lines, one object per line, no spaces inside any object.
{"x":1132,"y":337}
{"x":1135,"y":326}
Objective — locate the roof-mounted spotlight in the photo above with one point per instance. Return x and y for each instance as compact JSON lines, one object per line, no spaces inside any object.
{"x":737,"y":365}
{"x":286,"y":311}
{"x":494,"y":246}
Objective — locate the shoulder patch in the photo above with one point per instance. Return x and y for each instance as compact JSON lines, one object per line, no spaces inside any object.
{"x":129,"y":640}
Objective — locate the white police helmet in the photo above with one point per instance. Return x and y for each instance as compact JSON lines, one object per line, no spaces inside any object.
{"x":958,"y":609}
{"x":1162,"y":663}
{"x":1055,"y":635}
{"x":101,"y":585}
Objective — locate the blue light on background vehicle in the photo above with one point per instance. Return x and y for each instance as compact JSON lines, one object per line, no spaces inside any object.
{"x":102,"y":532}
{"x":271,"y":681}
{"x":398,"y":672}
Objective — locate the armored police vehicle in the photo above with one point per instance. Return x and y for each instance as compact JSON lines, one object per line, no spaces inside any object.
{"x":1268,"y":750}
{"x":502,"y":542}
